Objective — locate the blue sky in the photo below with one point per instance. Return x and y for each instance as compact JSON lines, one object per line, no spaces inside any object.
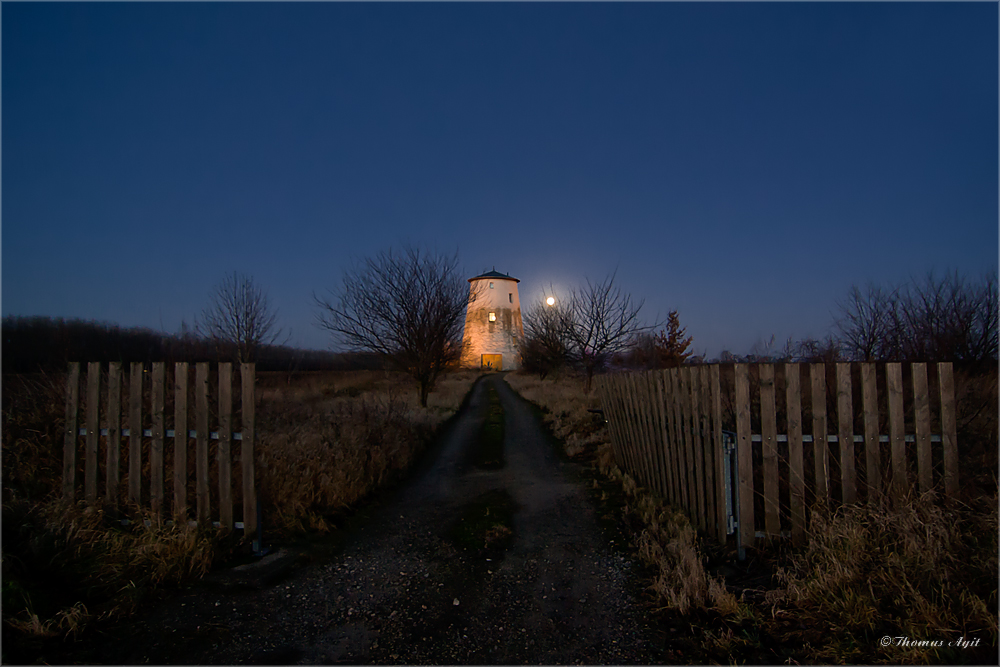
{"x":744,"y":164}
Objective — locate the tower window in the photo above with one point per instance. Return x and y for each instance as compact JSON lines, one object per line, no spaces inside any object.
{"x":491,"y":284}
{"x":493,"y":317}
{"x":510,"y":297}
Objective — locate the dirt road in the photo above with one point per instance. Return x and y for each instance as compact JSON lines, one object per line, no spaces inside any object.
{"x":464,"y":565}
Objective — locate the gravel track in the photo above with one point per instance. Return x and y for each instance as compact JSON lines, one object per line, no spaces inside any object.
{"x":406,"y":588}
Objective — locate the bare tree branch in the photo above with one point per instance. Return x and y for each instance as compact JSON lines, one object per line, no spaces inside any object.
{"x":601,"y":321}
{"x":869,"y":323}
{"x":239,"y":315}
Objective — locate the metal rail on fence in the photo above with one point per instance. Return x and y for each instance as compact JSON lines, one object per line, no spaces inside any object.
{"x":667,"y":431}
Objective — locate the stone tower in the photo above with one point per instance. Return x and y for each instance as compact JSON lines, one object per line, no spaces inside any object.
{"x":493,"y":329}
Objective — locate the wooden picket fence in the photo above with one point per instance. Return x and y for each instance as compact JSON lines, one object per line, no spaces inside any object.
{"x":151,"y":432}
{"x":726,"y":443}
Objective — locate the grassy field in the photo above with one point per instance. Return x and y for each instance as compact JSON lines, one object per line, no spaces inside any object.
{"x":916,"y":573}
{"x":325,"y":441}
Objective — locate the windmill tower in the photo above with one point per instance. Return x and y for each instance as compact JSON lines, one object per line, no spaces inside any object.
{"x":493,"y":329}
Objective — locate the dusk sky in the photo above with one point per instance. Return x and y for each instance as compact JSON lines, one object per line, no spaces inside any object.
{"x":744,"y":164}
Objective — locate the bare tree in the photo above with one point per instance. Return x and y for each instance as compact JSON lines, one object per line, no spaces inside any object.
{"x":239,"y":315}
{"x":950,"y":318}
{"x":943,"y":319}
{"x":409,"y":308}
{"x":869,"y":323}
{"x":546,"y":343}
{"x":601,"y":321}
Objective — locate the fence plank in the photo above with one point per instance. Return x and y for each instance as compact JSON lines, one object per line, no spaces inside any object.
{"x":614,"y":416}
{"x":641,"y":473}
{"x":690,"y":442}
{"x":821,"y":451}
{"x":70,"y":435}
{"x":796,"y":471}
{"x":706,"y":446}
{"x":845,"y":435}
{"x":224,"y":451}
{"x":894,"y":389}
{"x":601,"y":384}
{"x":114,"y":444}
{"x":675,"y":404}
{"x":247,"y":376}
{"x":661,"y":400}
{"x":642,"y":405}
{"x":661,"y":431}
{"x":685,"y":403}
{"x":135,"y":433}
{"x":700,"y":375}
{"x":645,"y":403}
{"x":156,"y":448}
{"x":720,"y":484}
{"x":618,"y":407}
{"x":628,"y":411}
{"x":633,"y":400}
{"x":769,"y":449}
{"x":949,"y":437}
{"x":618,"y":397}
{"x":922,"y":426}
{"x":180,"y":439}
{"x":201,"y":442}
{"x":869,"y":401}
{"x":654,"y":434}
{"x":669,"y":438}
{"x":743,"y":456}
{"x":694,"y":391}
{"x":93,"y":438}
{"x":640,"y":467}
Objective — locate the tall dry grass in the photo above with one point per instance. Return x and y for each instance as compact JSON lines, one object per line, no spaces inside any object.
{"x":67,"y":566}
{"x":323,"y":444}
{"x":916,"y":570}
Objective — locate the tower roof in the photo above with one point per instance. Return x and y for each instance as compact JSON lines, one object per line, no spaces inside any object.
{"x":495,"y":274}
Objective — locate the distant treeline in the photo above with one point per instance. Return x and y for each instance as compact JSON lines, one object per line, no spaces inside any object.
{"x":32,"y":344}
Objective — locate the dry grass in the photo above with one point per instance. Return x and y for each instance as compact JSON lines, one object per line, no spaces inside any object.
{"x":669,"y":543}
{"x":325,"y":446}
{"x":325,"y":441}
{"x":918,"y":570}
{"x":66,"y":566}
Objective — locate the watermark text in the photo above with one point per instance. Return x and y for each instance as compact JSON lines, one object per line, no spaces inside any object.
{"x":906,"y":642}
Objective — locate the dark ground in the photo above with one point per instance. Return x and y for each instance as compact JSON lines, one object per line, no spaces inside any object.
{"x":463,"y":565}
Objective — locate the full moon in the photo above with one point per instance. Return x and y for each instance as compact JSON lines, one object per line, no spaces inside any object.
{"x":551,"y":301}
